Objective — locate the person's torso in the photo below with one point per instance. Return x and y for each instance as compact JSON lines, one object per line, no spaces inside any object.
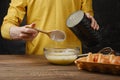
{"x":51,"y":15}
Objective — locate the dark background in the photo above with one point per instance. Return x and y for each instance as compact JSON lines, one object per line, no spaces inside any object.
{"x":9,"y":46}
{"x":106,"y":12}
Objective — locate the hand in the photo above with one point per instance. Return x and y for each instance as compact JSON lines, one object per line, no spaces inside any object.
{"x":94,"y":24}
{"x":23,"y":33}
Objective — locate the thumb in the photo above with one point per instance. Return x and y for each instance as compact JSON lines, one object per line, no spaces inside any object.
{"x":32,"y":25}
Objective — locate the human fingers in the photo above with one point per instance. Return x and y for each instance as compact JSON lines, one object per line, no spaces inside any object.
{"x":30,"y":25}
{"x":28,"y":33}
{"x":28,"y":29}
{"x":94,"y":24}
{"x":26,"y":37}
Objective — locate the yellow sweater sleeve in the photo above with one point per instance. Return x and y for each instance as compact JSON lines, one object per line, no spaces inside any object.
{"x":87,"y":6}
{"x":14,"y":17}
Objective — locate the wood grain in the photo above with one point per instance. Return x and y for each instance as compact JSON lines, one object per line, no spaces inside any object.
{"x":26,"y":67}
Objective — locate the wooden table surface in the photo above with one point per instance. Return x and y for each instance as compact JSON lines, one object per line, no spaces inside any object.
{"x":26,"y":67}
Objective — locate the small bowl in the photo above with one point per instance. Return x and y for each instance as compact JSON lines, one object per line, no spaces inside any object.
{"x":62,"y":56}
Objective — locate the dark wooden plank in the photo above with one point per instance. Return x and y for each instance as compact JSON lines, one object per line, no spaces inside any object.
{"x":23,"y":67}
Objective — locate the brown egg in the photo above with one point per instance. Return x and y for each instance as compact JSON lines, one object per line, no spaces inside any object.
{"x":105,"y":60}
{"x":116,"y":60}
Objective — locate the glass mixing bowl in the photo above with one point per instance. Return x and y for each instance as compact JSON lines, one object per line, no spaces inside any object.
{"x":62,"y":56}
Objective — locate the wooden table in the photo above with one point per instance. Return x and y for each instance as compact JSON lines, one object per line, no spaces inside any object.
{"x":26,"y":67}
